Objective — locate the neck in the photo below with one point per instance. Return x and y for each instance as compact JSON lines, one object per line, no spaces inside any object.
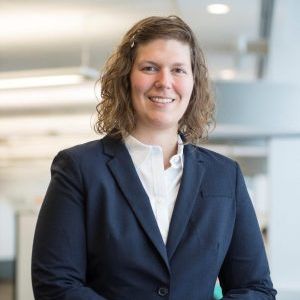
{"x":166,"y":139}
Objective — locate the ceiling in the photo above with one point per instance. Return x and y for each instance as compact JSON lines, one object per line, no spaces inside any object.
{"x":50,"y":34}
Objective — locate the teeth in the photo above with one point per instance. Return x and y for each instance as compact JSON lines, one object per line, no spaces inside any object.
{"x":161,"y":100}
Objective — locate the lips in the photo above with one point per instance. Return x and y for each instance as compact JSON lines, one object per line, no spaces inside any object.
{"x":163,"y":100}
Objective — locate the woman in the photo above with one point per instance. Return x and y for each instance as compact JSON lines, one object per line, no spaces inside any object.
{"x":144,"y":213}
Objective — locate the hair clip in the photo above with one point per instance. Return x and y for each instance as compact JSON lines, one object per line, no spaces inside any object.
{"x":132,"y":44}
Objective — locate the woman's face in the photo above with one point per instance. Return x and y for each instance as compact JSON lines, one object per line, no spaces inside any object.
{"x":161,"y":84}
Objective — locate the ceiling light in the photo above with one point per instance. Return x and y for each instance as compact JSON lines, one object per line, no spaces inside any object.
{"x":218,"y":9}
{"x":46,"y":77}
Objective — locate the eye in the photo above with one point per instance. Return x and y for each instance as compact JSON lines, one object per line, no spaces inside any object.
{"x":149,"y":69}
{"x":178,"y":70}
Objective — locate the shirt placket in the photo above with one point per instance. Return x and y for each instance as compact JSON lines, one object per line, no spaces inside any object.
{"x":160,"y":193}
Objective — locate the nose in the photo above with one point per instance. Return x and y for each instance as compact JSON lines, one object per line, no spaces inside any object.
{"x":163,"y":80}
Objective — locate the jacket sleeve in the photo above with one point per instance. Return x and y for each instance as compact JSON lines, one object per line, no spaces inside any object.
{"x":245,"y":272}
{"x":59,"y":247}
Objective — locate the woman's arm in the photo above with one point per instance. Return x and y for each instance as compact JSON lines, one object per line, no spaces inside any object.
{"x":59,"y":256}
{"x":245,"y":272}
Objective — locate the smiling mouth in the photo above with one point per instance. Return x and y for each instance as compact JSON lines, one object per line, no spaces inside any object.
{"x":162,"y":100}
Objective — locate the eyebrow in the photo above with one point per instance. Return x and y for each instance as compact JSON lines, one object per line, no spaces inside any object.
{"x":147,"y":62}
{"x":178,"y":64}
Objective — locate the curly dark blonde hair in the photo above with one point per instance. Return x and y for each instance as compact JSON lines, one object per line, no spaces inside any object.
{"x":116,"y":116}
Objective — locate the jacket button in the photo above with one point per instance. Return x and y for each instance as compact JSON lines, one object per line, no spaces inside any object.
{"x":163,"y":291}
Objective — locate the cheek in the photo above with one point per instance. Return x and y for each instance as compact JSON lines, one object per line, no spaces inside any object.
{"x":137,"y":89}
{"x":186,"y":89}
{"x":139,"y":84}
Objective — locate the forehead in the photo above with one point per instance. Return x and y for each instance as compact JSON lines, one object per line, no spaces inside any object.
{"x":164,"y":49}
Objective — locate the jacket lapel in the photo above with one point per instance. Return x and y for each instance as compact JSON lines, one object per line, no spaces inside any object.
{"x":192,"y":176}
{"x":127,"y":178}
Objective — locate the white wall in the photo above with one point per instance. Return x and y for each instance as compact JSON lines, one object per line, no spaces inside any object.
{"x":284,"y":172}
{"x":284,"y":62}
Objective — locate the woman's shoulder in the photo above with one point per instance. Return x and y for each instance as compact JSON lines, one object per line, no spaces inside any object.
{"x":213,"y":158}
{"x":84,"y":152}
{"x":86,"y":148}
{"x":209,"y":154}
{"x":92,"y":150}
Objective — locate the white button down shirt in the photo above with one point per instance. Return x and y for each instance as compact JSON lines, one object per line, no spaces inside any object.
{"x":160,"y":185}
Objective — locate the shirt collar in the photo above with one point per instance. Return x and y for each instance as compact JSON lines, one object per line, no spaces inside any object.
{"x":176,"y":160}
{"x":139,"y":152}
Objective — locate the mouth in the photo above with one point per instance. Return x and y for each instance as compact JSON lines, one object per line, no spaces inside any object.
{"x":163,"y":100}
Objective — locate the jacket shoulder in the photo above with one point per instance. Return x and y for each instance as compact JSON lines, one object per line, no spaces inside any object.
{"x":84,"y":149}
{"x":221,"y":172}
{"x":213,"y":157}
{"x":85,"y":155}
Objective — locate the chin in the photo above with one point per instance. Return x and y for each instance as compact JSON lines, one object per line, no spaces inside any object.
{"x":163,"y":125}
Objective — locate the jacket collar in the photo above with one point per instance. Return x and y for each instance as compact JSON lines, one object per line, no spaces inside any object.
{"x":193,"y":173}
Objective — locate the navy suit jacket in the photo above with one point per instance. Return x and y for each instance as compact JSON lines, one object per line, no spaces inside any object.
{"x":97,"y":238}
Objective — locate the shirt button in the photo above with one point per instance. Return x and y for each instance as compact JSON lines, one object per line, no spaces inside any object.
{"x":163,"y":291}
{"x":176,"y":158}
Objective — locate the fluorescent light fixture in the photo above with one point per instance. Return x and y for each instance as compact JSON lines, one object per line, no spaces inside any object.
{"x":43,"y":23}
{"x":50,"y":96}
{"x":46,"y":77}
{"x":218,"y":9}
{"x":13,"y":83}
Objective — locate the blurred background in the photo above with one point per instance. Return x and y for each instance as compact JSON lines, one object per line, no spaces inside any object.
{"x":51,"y":54}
